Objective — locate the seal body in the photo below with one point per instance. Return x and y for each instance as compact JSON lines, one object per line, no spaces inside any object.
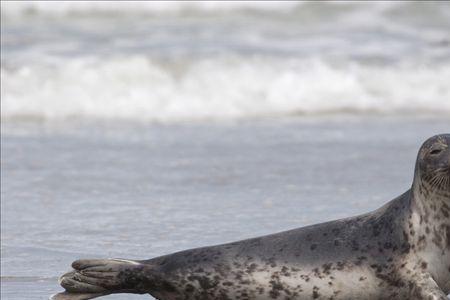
{"x":400,"y":251}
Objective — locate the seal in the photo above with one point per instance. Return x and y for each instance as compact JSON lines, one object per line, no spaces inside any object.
{"x":400,"y":251}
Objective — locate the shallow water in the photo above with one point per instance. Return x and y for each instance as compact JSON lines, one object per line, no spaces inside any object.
{"x":135,"y":129}
{"x":85,"y":189}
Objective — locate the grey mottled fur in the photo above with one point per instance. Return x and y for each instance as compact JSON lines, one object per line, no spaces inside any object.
{"x":400,"y":251}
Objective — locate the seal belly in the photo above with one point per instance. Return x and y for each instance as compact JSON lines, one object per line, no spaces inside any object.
{"x":255,"y":279}
{"x":271,"y":267}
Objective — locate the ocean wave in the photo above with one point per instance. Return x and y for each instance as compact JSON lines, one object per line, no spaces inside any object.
{"x":63,"y":8}
{"x":182,"y":8}
{"x":145,"y":89}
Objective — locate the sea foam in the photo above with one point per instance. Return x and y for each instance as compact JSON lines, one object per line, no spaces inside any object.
{"x":218,"y":88}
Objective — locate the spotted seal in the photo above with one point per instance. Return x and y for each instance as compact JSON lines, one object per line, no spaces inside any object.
{"x":400,"y":251}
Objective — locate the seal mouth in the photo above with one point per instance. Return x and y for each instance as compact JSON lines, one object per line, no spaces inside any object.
{"x":444,"y":170}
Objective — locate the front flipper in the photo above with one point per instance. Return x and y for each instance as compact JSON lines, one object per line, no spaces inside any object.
{"x":71,"y":296}
{"x":423,"y":287}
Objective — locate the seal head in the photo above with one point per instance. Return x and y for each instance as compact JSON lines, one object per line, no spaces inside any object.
{"x":432,"y":172}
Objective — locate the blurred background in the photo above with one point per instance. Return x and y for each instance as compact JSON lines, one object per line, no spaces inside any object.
{"x":135,"y":129}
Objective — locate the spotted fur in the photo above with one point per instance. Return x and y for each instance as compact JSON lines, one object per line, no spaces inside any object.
{"x":400,"y":251}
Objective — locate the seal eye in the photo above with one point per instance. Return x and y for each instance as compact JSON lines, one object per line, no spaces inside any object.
{"x":435,"y":151}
